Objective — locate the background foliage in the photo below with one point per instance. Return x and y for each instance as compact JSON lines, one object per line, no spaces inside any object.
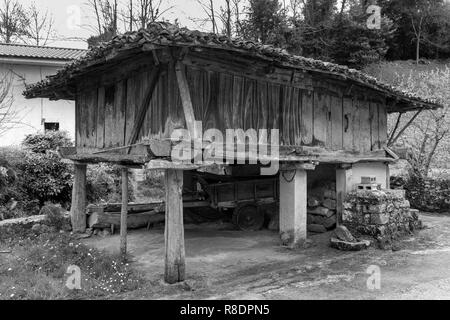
{"x":35,"y":174}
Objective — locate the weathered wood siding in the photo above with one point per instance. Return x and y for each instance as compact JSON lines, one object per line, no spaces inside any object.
{"x":317,"y":116}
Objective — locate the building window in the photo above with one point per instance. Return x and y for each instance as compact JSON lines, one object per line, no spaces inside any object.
{"x":51,"y":126}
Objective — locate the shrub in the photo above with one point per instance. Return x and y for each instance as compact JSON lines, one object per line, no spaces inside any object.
{"x":425,"y":193}
{"x":35,"y":174}
{"x":43,"y":141}
{"x":104,"y":184}
{"x":54,"y":216}
{"x":45,"y":177}
{"x":7,"y":175}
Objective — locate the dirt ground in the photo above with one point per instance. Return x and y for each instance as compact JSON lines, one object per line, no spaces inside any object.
{"x":223,"y":263}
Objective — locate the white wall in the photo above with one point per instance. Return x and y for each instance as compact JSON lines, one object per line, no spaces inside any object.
{"x":32,"y":111}
{"x":377,"y":169}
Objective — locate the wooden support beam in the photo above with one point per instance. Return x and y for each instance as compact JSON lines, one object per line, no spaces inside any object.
{"x":124,"y":215}
{"x":140,"y":117}
{"x":186,"y":99}
{"x":343,"y":186}
{"x":78,"y":208}
{"x":298,"y":165}
{"x":394,"y":140}
{"x":174,"y":230}
{"x":394,"y":131}
{"x":293,"y":208}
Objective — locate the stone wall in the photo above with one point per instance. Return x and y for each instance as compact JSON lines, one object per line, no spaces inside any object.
{"x":384,"y":215}
{"x":322,"y":208}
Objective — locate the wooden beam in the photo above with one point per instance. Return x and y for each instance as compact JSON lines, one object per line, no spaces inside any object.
{"x":159,"y":164}
{"x":394,"y":140}
{"x":78,"y":208}
{"x":298,"y":166}
{"x":124,"y":215}
{"x":142,"y":112}
{"x":174,"y":230}
{"x":186,"y":99}
{"x":397,"y":123}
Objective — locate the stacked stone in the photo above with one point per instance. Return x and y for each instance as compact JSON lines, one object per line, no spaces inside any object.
{"x":322,"y":208}
{"x":382,"y":214}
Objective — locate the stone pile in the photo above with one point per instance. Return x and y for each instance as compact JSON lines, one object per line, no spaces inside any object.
{"x":384,"y":215}
{"x":322,"y":208}
{"x":343,"y":240}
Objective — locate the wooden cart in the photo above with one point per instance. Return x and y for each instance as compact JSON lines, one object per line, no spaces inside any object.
{"x":245,"y":197}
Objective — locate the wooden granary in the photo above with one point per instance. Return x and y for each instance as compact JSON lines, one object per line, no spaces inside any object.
{"x":133,"y":92}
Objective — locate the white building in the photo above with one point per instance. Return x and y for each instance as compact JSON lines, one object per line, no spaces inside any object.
{"x":27,"y":65}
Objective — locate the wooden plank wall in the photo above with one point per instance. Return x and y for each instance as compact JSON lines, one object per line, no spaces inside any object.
{"x":105,"y":116}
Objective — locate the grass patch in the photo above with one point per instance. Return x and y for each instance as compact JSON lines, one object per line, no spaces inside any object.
{"x":37,"y":265}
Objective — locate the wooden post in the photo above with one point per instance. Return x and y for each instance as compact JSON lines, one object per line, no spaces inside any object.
{"x":174,"y":231}
{"x":78,"y":208}
{"x":343,"y":186}
{"x":293,"y":207}
{"x":186,"y":100}
{"x":388,"y":176}
{"x":124,"y":214}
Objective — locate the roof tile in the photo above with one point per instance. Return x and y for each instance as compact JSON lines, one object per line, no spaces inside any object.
{"x":166,"y":34}
{"x":38,"y":52}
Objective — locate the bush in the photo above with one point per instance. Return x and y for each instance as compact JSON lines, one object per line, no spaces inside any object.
{"x":35,"y":174}
{"x":104,"y":184}
{"x":425,"y":193}
{"x":45,"y":177}
{"x":44,"y":141}
{"x":55,"y":216}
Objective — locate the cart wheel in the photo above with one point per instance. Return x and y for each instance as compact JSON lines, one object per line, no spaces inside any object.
{"x":248,"y":217}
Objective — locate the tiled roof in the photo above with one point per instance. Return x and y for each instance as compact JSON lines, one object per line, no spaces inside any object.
{"x":161,"y":34}
{"x":37,"y":52}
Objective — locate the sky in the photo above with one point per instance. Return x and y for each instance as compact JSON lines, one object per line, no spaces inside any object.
{"x":73,"y":17}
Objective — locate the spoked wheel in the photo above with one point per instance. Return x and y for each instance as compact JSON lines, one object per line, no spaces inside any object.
{"x":248,"y":217}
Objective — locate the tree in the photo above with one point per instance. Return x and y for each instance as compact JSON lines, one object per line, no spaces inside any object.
{"x":40,"y":26}
{"x":13,"y":21}
{"x":226,"y":17}
{"x":429,"y":135}
{"x":106,"y":14}
{"x":266,"y":21}
{"x":352,"y":43}
{"x":316,"y":27}
{"x":422,"y":28}
{"x":211,"y":14}
{"x":143,"y":12}
{"x":419,"y":13}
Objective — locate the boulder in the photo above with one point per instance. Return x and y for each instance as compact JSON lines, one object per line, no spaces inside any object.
{"x":321,"y":211}
{"x":36,"y":228}
{"x":349,"y":246}
{"x":343,"y":234}
{"x":315,"y":219}
{"x":313,"y":202}
{"x":330,"y":194}
{"x":317,"y":228}
{"x":329,"y":223}
{"x":379,"y":219}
